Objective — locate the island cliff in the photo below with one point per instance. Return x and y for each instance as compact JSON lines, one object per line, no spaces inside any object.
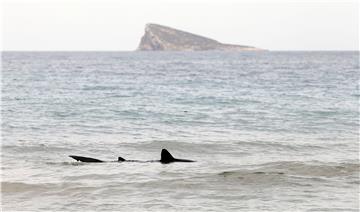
{"x":162,"y":38}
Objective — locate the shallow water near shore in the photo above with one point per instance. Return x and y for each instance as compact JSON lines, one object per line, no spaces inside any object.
{"x":270,"y":131}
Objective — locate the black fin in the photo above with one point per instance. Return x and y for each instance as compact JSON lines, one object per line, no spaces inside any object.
{"x":85,"y":159}
{"x":166,"y":157}
{"x":120,"y":159}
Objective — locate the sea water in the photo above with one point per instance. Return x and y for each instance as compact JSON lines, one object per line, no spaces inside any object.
{"x":272,"y":131}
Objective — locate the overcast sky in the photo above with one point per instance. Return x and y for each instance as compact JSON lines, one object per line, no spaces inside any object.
{"x":119,"y":24}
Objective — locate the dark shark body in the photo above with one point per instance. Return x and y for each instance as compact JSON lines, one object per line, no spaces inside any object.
{"x":166,"y":157}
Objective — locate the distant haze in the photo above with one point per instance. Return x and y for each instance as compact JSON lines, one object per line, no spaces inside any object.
{"x":118,"y":25}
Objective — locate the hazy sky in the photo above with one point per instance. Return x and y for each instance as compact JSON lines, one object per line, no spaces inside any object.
{"x":119,"y":24}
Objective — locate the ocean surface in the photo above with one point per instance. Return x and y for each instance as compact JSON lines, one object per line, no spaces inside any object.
{"x":270,"y":131}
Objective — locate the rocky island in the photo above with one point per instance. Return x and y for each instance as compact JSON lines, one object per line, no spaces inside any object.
{"x":163,"y":38}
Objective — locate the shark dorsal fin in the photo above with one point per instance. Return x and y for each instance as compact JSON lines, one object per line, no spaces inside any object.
{"x":166,"y":157}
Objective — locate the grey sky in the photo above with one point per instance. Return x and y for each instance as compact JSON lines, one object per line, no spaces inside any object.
{"x":119,"y":24}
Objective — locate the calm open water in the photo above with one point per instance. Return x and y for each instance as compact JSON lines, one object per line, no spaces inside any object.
{"x":270,"y":131}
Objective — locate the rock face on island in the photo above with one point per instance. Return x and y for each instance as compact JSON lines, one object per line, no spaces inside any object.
{"x":162,"y":38}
